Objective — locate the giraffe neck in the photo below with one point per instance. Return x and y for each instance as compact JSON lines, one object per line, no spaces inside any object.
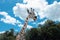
{"x":21,"y":35}
{"x":25,"y":25}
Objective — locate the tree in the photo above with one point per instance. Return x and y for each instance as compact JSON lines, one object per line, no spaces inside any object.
{"x":49,"y":31}
{"x":49,"y":23}
{"x":8,"y":35}
{"x":32,"y":34}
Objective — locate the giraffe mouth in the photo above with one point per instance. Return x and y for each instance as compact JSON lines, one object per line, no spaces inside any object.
{"x":35,"y":17}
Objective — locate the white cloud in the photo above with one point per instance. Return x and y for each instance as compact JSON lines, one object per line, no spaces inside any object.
{"x":28,"y":26}
{"x":16,"y":30}
{"x":8,"y":19}
{"x":42,"y":22}
{"x":20,"y":12}
{"x":2,"y":32}
{"x":36,"y":3}
{"x":20,"y":9}
{"x":53,"y":11}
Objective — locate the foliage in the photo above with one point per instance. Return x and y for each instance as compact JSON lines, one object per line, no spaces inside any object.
{"x":48,"y":31}
{"x":8,"y":35}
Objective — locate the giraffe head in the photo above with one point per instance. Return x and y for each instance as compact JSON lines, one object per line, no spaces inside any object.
{"x":32,"y":14}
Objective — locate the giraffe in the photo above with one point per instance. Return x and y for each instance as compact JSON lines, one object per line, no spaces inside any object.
{"x":21,"y":35}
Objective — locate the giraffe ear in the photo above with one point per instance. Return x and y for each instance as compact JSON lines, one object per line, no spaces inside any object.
{"x":27,"y":10}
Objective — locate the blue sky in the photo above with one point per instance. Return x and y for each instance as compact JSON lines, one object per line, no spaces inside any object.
{"x":7,"y":6}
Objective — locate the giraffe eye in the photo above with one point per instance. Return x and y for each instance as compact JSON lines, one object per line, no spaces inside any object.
{"x":35,"y":17}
